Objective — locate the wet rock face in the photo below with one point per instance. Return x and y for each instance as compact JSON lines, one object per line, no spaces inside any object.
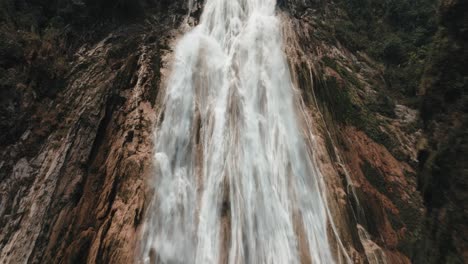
{"x":370,"y":137}
{"x":408,"y":168}
{"x":76,"y":121}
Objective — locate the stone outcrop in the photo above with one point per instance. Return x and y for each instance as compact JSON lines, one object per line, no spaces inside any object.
{"x":77,"y":140}
{"x":371,"y":139}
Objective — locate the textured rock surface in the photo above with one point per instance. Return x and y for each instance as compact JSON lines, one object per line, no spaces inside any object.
{"x":371,"y":150}
{"x":73,"y":163}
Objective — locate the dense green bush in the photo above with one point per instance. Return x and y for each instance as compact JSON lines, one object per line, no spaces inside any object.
{"x":393,"y":51}
{"x":398,"y":33}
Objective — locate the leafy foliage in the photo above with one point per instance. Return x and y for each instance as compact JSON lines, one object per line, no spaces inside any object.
{"x":397,"y":32}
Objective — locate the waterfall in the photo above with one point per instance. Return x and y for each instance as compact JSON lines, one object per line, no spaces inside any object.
{"x":235,"y":181}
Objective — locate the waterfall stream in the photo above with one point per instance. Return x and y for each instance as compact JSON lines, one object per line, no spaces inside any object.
{"x":235,"y":181}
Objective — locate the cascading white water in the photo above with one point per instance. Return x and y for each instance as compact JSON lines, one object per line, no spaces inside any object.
{"x":235,"y":181}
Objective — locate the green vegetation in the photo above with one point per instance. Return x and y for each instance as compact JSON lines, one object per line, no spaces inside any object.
{"x":374,"y":177}
{"x":397,"y":32}
{"x":349,"y":110}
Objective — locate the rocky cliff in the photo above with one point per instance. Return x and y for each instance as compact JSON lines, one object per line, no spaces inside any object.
{"x":78,"y":108}
{"x":81,"y":86}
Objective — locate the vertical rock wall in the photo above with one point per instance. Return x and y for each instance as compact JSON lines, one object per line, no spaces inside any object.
{"x":74,"y":160}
